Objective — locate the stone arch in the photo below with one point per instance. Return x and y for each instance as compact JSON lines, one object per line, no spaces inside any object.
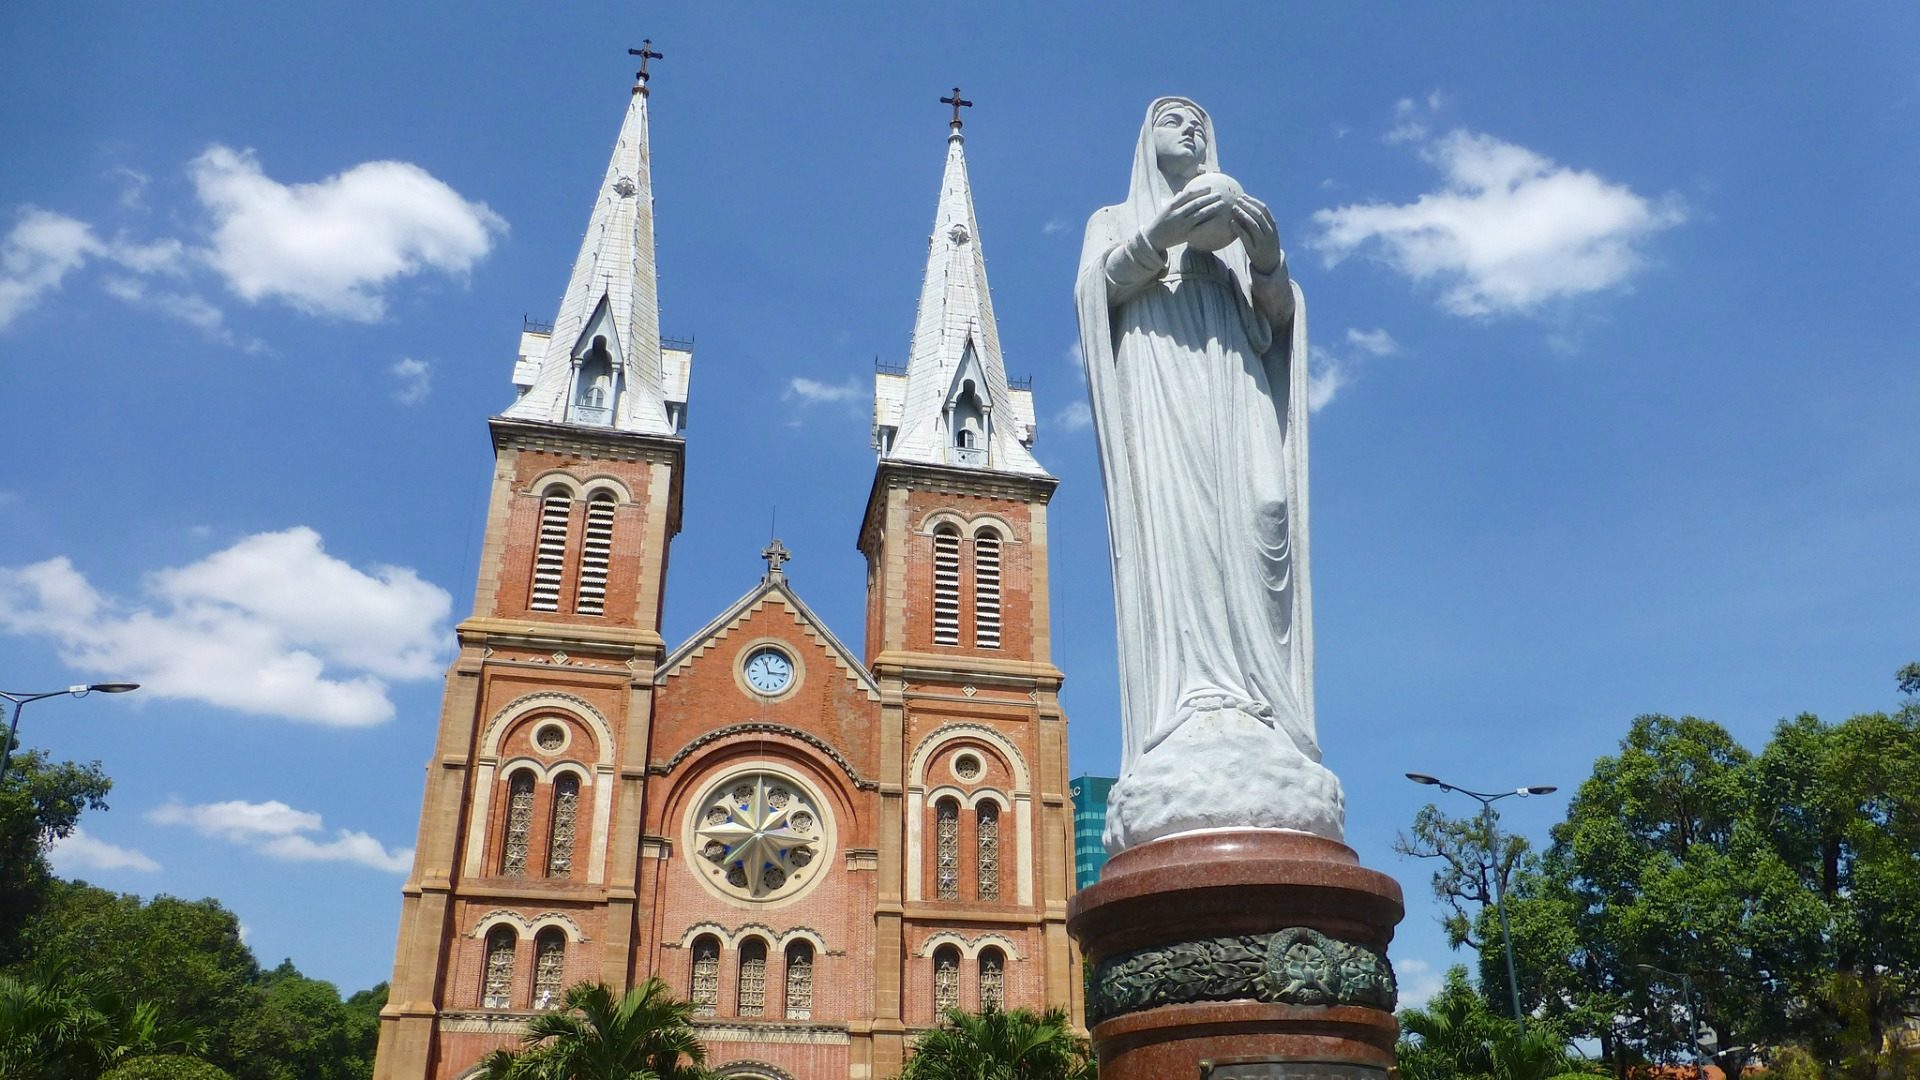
{"x":970,"y":946}
{"x":704,"y":929}
{"x":556,"y":478}
{"x":968,"y":524}
{"x":598,"y":482}
{"x":946,"y":733}
{"x":563,"y":923}
{"x":577,"y":708}
{"x":747,"y":1069}
{"x":498,"y":916}
{"x":996,"y":797}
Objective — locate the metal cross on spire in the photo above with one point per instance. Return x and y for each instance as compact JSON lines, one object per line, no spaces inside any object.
{"x":958,"y":103}
{"x":645,"y":53}
{"x":776,"y":553}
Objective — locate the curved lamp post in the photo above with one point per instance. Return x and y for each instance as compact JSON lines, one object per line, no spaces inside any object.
{"x":1491,"y":820}
{"x":20,"y":701}
{"x":1693,"y":1013}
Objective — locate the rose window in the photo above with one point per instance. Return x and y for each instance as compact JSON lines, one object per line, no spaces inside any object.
{"x":758,"y":836}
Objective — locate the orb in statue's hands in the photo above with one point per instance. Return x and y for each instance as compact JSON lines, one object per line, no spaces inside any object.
{"x":1216,"y":232}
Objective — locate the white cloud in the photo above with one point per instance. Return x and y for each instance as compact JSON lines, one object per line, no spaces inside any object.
{"x":1077,"y":360}
{"x":40,"y":251}
{"x":1053,"y":227}
{"x":272,"y":626}
{"x":80,"y":851}
{"x":1375,"y":342}
{"x":1325,"y":376}
{"x":1418,"y":981}
{"x":1507,"y":231}
{"x":1408,"y":126}
{"x":279,"y":831}
{"x":1074,"y":416}
{"x":330,"y":247}
{"x":415,"y":378}
{"x":133,"y":187}
{"x":814,"y":392}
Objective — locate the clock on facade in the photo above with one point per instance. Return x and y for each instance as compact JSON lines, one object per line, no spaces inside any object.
{"x":769,"y":671}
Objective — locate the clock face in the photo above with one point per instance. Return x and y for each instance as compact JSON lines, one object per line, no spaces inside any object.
{"x":769,"y":671}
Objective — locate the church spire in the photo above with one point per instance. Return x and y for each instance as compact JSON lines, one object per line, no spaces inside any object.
{"x":953,"y":405}
{"x":602,"y":364}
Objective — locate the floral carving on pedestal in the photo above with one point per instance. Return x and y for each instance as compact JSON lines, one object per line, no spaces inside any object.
{"x":1295,"y":966}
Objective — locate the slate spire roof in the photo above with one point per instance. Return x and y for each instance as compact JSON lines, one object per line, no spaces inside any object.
{"x":602,"y":363}
{"x":953,"y":404}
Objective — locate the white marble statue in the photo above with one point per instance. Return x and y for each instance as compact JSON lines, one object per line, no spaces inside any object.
{"x":1196,"y":351}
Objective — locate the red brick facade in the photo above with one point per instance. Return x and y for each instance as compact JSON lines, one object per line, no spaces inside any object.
{"x":578,"y":761}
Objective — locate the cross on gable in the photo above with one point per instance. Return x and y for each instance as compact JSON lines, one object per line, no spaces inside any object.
{"x":775,"y":554}
{"x":958,"y":103}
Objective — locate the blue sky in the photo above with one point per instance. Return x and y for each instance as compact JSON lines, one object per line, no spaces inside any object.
{"x":1614,"y":312}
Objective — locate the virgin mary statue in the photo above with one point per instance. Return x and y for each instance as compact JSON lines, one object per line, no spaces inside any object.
{"x":1195,"y":343}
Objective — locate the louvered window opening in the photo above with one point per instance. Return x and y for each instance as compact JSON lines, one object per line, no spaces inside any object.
{"x":596,"y":553}
{"x":993,"y":981}
{"x":566,"y":810}
{"x":706,"y":977}
{"x":513,"y":859}
{"x":986,"y":591}
{"x":946,"y":858}
{"x":987,"y":835}
{"x":497,"y":991}
{"x":550,"y":557}
{"x":800,"y":982}
{"x":753,"y":979}
{"x":946,"y":587}
{"x":549,"y":968}
{"x":946,"y":979}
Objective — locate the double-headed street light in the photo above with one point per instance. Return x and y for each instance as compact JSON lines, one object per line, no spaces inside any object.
{"x":1693,"y":1013}
{"x":20,"y":701}
{"x":1491,"y":821}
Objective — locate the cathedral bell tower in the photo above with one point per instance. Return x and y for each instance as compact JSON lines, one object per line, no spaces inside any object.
{"x":523,"y":881}
{"x":958,"y":640}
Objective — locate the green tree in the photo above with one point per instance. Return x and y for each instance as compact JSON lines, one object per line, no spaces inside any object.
{"x":1465,"y":877}
{"x":994,"y":1045}
{"x":1456,"y":1036}
{"x":166,"y":1067}
{"x":60,"y":1026}
{"x":593,"y":1035}
{"x":40,"y":802}
{"x":299,"y":1029}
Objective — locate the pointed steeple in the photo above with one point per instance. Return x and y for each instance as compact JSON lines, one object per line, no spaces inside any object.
{"x":953,"y":405}
{"x":602,"y":363}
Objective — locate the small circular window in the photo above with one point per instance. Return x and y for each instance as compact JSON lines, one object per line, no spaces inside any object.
{"x":550,"y":738}
{"x":759,"y":836}
{"x":967,"y":767}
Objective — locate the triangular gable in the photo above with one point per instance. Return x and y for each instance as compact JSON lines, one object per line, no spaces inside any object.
{"x":772,"y":590}
{"x":602,"y":322}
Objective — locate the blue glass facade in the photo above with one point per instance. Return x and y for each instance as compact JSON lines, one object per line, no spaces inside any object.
{"x":1089,"y":794}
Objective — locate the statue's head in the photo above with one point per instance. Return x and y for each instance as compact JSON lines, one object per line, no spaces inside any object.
{"x":1180,"y":131}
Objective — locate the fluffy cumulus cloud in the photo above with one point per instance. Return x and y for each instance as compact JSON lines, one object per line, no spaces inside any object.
{"x":79,"y":852}
{"x":330,"y":247}
{"x":1074,"y":416}
{"x":1326,"y":374}
{"x":1507,"y":231}
{"x":272,"y":626}
{"x":279,"y":831}
{"x":815,"y":392}
{"x":39,"y":252}
{"x":1418,"y":981}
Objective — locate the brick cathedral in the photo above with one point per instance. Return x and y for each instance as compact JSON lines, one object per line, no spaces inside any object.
{"x":820,"y":848}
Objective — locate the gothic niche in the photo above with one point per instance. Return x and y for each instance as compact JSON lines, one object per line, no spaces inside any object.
{"x":760,"y":836}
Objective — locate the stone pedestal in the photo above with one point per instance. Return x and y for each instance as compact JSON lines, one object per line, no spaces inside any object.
{"x":1239,"y":953}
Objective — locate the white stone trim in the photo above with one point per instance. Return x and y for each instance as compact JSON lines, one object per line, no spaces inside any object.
{"x":552,"y":478}
{"x":970,"y":946}
{"x":607,"y":482}
{"x":576,"y":708}
{"x":968,"y":524}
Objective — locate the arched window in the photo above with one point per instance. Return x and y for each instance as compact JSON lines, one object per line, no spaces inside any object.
{"x":566,"y":809}
{"x":596,"y":552}
{"x":986,"y":589}
{"x":595,"y":394}
{"x":513,"y":854}
{"x":946,"y":585}
{"x":987,"y":840}
{"x":550,"y":554}
{"x":549,"y":967}
{"x":993,"y":980}
{"x":969,"y":425}
{"x":946,"y":979}
{"x":946,"y":850}
{"x":753,"y":978}
{"x":800,"y":981}
{"x":496,"y":986}
{"x":705,"y":994}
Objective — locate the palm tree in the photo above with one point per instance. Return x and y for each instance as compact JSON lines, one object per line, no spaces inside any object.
{"x":995,"y":1045}
{"x":53,"y":1025}
{"x":645,"y":1034}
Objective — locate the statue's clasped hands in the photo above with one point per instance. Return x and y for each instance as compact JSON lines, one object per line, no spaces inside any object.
{"x":1198,"y":206}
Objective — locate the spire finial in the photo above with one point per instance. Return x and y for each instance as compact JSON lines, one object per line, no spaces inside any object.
{"x":775,"y":554}
{"x":645,"y":53}
{"x":958,"y":103}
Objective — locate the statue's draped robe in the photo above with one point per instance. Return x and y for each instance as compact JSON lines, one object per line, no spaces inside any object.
{"x":1198,"y":376}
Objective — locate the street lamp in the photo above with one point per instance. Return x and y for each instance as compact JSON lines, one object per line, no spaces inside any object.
{"x":20,"y":702}
{"x":1491,"y":821}
{"x":1693,"y":1013}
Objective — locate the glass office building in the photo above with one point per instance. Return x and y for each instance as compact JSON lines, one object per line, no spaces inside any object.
{"x":1089,"y":794}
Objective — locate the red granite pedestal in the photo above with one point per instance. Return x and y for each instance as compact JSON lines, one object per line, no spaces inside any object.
{"x":1239,"y":953}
